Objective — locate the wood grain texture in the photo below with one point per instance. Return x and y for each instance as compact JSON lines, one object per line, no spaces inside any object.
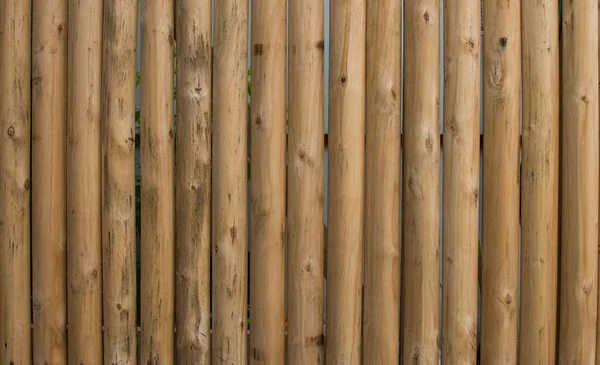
{"x":118,"y":182}
{"x":48,"y":181}
{"x":381,"y":322}
{"x":267,"y":185}
{"x":461,"y":191}
{"x":15,"y":249}
{"x":193,"y":174}
{"x":229,"y":183}
{"x":539,"y":182}
{"x":579,"y":183}
{"x":347,"y":68}
{"x":84,"y":191}
{"x":305,"y":341}
{"x":157,"y":187}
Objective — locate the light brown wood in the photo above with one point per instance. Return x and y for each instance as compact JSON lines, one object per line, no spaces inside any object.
{"x":539,"y":182}
{"x":579,"y":183}
{"x":461,"y":191}
{"x":84,"y":206}
{"x":193,"y":174}
{"x":48,"y":185}
{"x":305,"y":184}
{"x":347,"y":69}
{"x":118,"y":182}
{"x":157,"y":187}
{"x":229,"y":182}
{"x":500,"y":240}
{"x":267,"y":184}
{"x":421,"y":184}
{"x":381,"y":322}
{"x":15,"y":301}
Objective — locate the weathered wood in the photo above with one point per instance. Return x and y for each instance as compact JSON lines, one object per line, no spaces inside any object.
{"x":267,"y":186}
{"x":193,"y":174}
{"x":347,"y":83}
{"x":539,"y":182}
{"x":230,"y":175}
{"x":157,"y":186}
{"x":118,"y":182}
{"x":579,"y":183}
{"x":305,"y":184}
{"x":15,"y":249}
{"x":48,"y":181}
{"x":381,"y":322}
{"x":84,"y":191}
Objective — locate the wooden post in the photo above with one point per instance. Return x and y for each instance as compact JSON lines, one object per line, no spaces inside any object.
{"x":157,"y":187}
{"x":500,"y":242}
{"x":48,"y":193}
{"x":381,"y":322}
{"x":305,"y":183}
{"x":462,"y":81}
{"x":15,"y":301}
{"x":267,"y":212}
{"x":346,"y":180}
{"x":118,"y":182}
{"x":193,"y":174}
{"x":421,"y":178}
{"x":230,"y":176}
{"x":539,"y":182}
{"x":579,"y":183}
{"x":84,"y":206}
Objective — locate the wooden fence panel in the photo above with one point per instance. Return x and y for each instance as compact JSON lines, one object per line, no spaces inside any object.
{"x":579,"y":183}
{"x":84,"y":206}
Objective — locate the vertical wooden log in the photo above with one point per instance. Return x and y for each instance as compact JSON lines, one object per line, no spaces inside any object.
{"x":192,"y":250}
{"x":118,"y":187}
{"x":500,"y":242}
{"x":267,"y":212}
{"x":229,"y":193}
{"x":346,"y":180}
{"x":157,"y":187}
{"x":381,"y":322}
{"x":305,"y":183}
{"x":539,"y":182}
{"x":579,"y":183}
{"x":421,"y":178}
{"x":15,"y":303}
{"x":84,"y":206}
{"x":48,"y":193}
{"x":462,"y":81}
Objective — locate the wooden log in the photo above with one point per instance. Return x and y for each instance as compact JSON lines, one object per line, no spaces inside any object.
{"x":268,"y":183}
{"x":84,"y":205}
{"x":461,"y":191}
{"x":381,"y":322}
{"x":421,"y":184}
{"x":539,"y":182}
{"x":157,"y":186}
{"x":579,"y":183}
{"x":15,"y":249}
{"x":305,"y":184}
{"x":48,"y":183}
{"x":118,"y":182}
{"x":347,"y":83}
{"x":193,"y":174}
{"x":500,"y":241}
{"x":229,"y":181}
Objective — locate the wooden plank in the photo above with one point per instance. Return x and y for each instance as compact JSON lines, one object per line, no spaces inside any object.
{"x":461,"y":190}
{"x":539,"y":182}
{"x":157,"y":187}
{"x":118,"y":182}
{"x":229,"y":181}
{"x":267,"y":186}
{"x":193,"y":174}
